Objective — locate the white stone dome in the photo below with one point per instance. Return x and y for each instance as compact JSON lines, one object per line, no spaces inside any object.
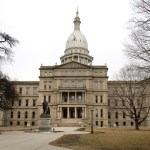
{"x":77,"y":40}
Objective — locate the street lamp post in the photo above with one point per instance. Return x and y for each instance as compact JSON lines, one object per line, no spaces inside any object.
{"x":91,"y":121}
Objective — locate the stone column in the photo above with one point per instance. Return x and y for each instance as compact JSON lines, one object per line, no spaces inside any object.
{"x":68,"y":115}
{"x":85,"y":113}
{"x":75,"y":97}
{"x":68,"y":98}
{"x":75,"y":112}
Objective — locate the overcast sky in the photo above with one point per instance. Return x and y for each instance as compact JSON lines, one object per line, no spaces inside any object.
{"x":43,"y":27}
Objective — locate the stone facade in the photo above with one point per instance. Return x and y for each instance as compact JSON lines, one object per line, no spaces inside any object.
{"x":72,"y":90}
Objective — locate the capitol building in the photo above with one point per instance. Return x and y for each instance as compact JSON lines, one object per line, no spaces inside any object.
{"x":74,"y":89}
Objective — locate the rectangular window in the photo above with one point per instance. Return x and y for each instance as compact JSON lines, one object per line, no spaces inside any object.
{"x":27,"y":102}
{"x":101,"y":123}
{"x":109,"y":102}
{"x":27,"y":90}
{"x":79,"y":97}
{"x":44,"y":97}
{"x":101,"y":85}
{"x":101,"y":112}
{"x":45,"y":86}
{"x":12,"y":103}
{"x":117,"y":124}
{"x":19,"y":114}
{"x":72,"y":97}
{"x":34,"y":90}
{"x":124,"y":114}
{"x":18,"y":123}
{"x":49,"y":99}
{"x":123,"y":102}
{"x":19,"y":102}
{"x":11,"y":116}
{"x":101,"y":99}
{"x":109,"y":115}
{"x":96,"y":123}
{"x":50,"y":85}
{"x":132,"y":123}
{"x":116,"y":102}
{"x":96,"y":99}
{"x":25,"y":123}
{"x":96,"y":85}
{"x":34,"y":102}
{"x":124,"y":123}
{"x":20,"y":90}
{"x":33,"y":123}
{"x":65,"y":98}
{"x":11,"y":123}
{"x":96,"y":113}
{"x":116,"y":114}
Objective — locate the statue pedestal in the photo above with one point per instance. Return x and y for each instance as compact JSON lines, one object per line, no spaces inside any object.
{"x":44,"y":123}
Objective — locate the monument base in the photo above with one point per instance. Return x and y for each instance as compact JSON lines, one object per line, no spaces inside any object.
{"x":44,"y":123}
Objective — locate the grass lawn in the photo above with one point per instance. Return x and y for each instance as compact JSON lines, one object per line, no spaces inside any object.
{"x":107,"y":139}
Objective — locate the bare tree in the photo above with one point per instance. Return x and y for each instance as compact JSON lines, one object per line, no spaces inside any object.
{"x":8,"y":93}
{"x":132,"y":92}
{"x":6,"y":44}
{"x":138,"y":46}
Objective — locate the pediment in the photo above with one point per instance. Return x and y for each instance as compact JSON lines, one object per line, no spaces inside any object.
{"x":73,"y":65}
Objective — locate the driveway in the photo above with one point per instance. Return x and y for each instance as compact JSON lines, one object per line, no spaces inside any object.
{"x":18,"y":140}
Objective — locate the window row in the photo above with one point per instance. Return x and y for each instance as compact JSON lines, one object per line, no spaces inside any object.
{"x":19,"y":114}
{"x":46,"y":74}
{"x":121,"y":123}
{"x":11,"y":123}
{"x":99,"y":99}
{"x":121,"y":103}
{"x":47,"y":85}
{"x":97,"y":123}
{"x":99,"y":85}
{"x":117,"y":115}
{"x":97,"y":114}
{"x":26,"y":102}
{"x":28,"y":90}
{"x":47,"y":98}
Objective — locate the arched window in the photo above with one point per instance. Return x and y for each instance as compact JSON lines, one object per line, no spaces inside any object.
{"x":18,"y":114}
{"x":26,"y":114}
{"x":33,"y":114}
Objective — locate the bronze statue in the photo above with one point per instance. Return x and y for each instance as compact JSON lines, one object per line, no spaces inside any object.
{"x":45,"y":104}
{"x":48,"y":111}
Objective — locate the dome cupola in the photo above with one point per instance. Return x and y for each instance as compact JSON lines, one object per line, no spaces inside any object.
{"x":76,"y":45}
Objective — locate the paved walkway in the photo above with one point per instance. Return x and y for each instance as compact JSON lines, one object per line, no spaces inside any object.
{"x":18,"y":140}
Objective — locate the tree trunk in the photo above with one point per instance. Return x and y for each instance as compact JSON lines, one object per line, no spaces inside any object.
{"x":136,"y":125}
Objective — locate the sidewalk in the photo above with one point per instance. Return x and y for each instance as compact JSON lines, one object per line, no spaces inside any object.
{"x":19,"y":140}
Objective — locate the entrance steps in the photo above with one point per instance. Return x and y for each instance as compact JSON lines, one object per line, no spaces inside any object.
{"x":71,"y":122}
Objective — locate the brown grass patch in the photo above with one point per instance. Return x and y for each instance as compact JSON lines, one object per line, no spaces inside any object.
{"x":107,"y":139}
